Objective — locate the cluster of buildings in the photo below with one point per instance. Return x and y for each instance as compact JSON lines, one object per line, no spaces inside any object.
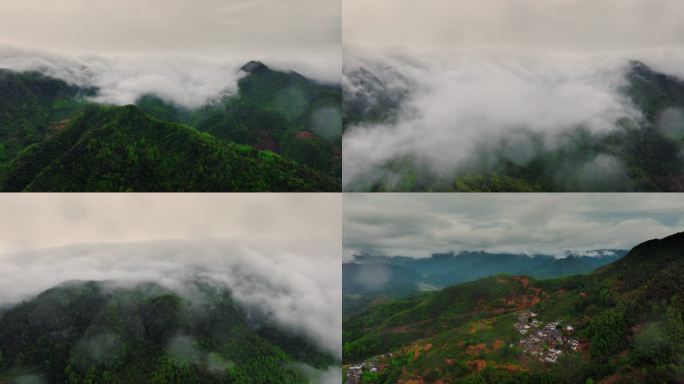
{"x":545,"y":342}
{"x":355,"y":372}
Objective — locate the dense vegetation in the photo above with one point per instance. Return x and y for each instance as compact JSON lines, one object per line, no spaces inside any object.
{"x":89,"y":332}
{"x":122,"y":149}
{"x":640,"y":154}
{"x":627,"y":314}
{"x":372,"y":279}
{"x":279,"y":132}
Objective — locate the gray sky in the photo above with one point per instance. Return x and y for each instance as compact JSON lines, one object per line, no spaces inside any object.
{"x":574,"y":25}
{"x":50,"y":220}
{"x":419,"y":224}
{"x":214,"y":26}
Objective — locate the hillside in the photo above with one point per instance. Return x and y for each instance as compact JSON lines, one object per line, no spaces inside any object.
{"x":283,"y":112}
{"x":273,"y":112}
{"x":123,"y":149}
{"x":370,"y":279}
{"x":29,"y":102}
{"x":88,"y":332}
{"x":625,"y":322}
{"x":639,"y":154}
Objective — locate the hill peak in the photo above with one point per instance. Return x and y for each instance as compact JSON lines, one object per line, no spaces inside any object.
{"x":254,"y":67}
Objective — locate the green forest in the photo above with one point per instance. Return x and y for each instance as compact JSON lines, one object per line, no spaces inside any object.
{"x":107,"y":332}
{"x":627,"y":317}
{"x":279,"y":132}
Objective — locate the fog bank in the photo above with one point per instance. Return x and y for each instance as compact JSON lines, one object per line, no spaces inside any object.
{"x":186,"y":80}
{"x":300,"y":290}
{"x":456,"y":104}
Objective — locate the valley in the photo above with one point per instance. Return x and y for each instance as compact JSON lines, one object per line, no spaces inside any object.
{"x":598,"y":327}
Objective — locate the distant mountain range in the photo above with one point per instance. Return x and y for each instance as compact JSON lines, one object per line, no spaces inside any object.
{"x":619,"y":324}
{"x":107,"y":332}
{"x":372,"y":279}
{"x":648,"y":148}
{"x":280,"y":132}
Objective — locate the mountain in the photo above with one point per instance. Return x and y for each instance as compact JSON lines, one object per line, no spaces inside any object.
{"x":372,"y":279}
{"x":374,"y":95}
{"x":123,"y":149}
{"x":106,"y":332}
{"x":279,"y":111}
{"x":619,"y":324}
{"x":291,"y":121}
{"x":639,"y":154}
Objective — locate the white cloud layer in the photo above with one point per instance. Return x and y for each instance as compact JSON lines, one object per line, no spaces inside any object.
{"x":418,"y":225}
{"x":279,"y":254}
{"x":459,"y":101}
{"x":188,"y":81}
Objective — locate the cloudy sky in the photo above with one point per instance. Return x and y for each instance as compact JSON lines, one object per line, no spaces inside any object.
{"x":51,"y":220}
{"x":278,"y":253}
{"x":213,"y":26}
{"x":420,"y":224}
{"x":549,"y":24}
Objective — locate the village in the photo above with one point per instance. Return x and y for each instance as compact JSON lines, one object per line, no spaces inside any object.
{"x":355,"y":372}
{"x":545,"y":342}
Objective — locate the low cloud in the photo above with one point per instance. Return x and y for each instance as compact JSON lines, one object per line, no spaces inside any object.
{"x":453,"y":104}
{"x":300,"y":290}
{"x":187,"y":81}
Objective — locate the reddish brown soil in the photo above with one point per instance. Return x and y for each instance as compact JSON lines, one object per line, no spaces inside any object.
{"x":304,"y":135}
{"x":477,"y":365}
{"x":266,"y":141}
{"x":476,"y":350}
{"x":400,"y":329}
{"x":610,"y":379}
{"x":57,"y":127}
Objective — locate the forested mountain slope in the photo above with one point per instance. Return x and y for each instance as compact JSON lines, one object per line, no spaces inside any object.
{"x":279,"y":132}
{"x":108,"y":332}
{"x":626,"y":318}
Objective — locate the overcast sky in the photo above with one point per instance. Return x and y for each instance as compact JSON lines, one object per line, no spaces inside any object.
{"x":574,"y":25}
{"x":49,"y":220}
{"x":420,"y":224}
{"x":213,"y":26}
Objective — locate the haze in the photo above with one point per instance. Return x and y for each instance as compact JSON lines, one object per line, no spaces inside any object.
{"x":179,"y":26}
{"x":567,"y":25}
